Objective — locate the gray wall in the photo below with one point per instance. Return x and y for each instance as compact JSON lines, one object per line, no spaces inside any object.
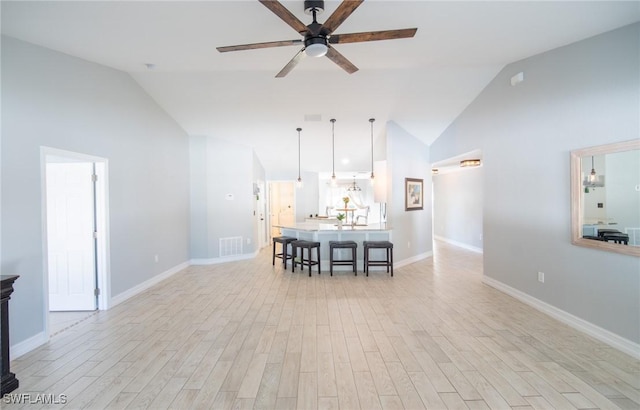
{"x":407,"y":157}
{"x":220,"y":168}
{"x":457,"y":206}
{"x":581,"y":95}
{"x":51,"y":99}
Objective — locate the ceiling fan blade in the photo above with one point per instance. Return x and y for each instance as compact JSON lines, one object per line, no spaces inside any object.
{"x":291,"y":64}
{"x":339,"y":59}
{"x":372,"y":36}
{"x":254,"y":46}
{"x":286,"y":16}
{"x":343,"y":11}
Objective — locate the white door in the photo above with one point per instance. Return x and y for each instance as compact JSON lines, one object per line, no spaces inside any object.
{"x":70,"y":236}
{"x":282,"y":205}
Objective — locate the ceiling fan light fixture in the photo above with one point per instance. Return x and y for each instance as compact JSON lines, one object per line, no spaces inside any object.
{"x":316,"y":46}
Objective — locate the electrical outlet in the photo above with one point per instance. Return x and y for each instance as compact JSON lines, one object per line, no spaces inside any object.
{"x":541,"y":277}
{"x":408,"y":244}
{"x":156,"y":258}
{"x":248,"y":241}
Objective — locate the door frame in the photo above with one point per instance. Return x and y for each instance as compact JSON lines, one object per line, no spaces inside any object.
{"x":103,"y":274}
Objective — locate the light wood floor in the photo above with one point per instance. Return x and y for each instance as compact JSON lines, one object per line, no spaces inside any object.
{"x":248,"y":335}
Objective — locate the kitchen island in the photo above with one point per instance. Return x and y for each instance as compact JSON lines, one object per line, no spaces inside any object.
{"x":325,"y":232}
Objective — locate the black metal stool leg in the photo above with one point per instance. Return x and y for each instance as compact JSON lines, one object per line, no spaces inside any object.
{"x":293,"y":257}
{"x":353,"y":258}
{"x":273,"y":254}
{"x":331,"y":261}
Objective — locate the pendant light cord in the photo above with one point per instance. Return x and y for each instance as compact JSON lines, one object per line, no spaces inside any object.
{"x":299,"y":129}
{"x":333,"y":148}
{"x":371,"y":120}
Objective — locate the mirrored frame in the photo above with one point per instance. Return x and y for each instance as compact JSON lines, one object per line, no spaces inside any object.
{"x":577,"y":196}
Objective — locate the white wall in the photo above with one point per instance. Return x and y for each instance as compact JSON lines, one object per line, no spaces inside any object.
{"x":457,"y":207}
{"x":51,"y":99}
{"x":407,"y":157}
{"x":222,"y":200}
{"x":580,"y":95}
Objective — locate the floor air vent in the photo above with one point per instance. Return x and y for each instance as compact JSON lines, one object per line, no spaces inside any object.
{"x":230,"y":246}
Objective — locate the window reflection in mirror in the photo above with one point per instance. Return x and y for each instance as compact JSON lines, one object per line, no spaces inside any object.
{"x":605,"y":188}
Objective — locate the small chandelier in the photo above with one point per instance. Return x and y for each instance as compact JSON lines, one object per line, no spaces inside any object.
{"x":299,"y":182}
{"x":354,"y":187}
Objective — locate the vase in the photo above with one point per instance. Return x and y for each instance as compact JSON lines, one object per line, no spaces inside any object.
{"x":339,"y":224}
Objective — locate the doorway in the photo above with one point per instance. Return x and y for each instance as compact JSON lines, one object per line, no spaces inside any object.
{"x":75,"y":237}
{"x":281,"y":206}
{"x":457,"y":202}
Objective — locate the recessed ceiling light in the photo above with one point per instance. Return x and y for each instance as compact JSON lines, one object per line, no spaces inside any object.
{"x":345,"y":161}
{"x":150,"y":66}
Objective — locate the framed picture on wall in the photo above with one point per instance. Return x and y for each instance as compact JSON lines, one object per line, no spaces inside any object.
{"x":413,"y":194}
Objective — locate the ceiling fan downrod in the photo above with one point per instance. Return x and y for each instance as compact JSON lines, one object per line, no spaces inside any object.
{"x":315,"y":41}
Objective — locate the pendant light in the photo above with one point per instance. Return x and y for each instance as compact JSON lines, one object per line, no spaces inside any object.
{"x":371,"y":120}
{"x":593,"y":180}
{"x":299,"y":182}
{"x":593,"y":177}
{"x":334,"y":182}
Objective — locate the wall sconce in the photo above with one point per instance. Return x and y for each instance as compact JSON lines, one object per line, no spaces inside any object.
{"x":470,"y":163}
{"x":434,"y":171}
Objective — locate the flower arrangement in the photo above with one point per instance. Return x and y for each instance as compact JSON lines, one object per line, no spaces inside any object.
{"x":346,"y":201}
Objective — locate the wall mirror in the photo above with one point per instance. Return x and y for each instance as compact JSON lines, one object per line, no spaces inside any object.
{"x":605,"y":197}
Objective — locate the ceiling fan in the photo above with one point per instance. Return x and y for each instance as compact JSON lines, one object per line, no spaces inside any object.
{"x":318,"y":37}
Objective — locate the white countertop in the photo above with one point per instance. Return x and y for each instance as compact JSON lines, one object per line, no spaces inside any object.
{"x":314,"y":226}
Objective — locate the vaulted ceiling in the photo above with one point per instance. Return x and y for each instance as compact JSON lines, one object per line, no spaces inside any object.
{"x":421,"y":83}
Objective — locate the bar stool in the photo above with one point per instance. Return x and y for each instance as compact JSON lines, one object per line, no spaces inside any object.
{"x":284,"y":255}
{"x":603,"y":232}
{"x":343,"y":245}
{"x":616,"y":237}
{"x":308,"y":245}
{"x":388,"y":262}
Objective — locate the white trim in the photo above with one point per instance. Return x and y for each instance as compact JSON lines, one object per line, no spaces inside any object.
{"x":459,"y":244}
{"x":603,"y":335}
{"x":129,"y":293}
{"x":412,"y":259}
{"x":24,"y":347}
{"x":215,"y":261}
{"x":102,"y":208}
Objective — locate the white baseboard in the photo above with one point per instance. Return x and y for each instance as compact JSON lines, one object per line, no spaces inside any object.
{"x":412,"y":259}
{"x":214,"y":261}
{"x":28,"y":345}
{"x":603,"y":335}
{"x":129,"y":293}
{"x":459,"y":244}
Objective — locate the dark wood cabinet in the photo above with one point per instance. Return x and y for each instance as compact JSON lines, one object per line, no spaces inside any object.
{"x":8,"y":380}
